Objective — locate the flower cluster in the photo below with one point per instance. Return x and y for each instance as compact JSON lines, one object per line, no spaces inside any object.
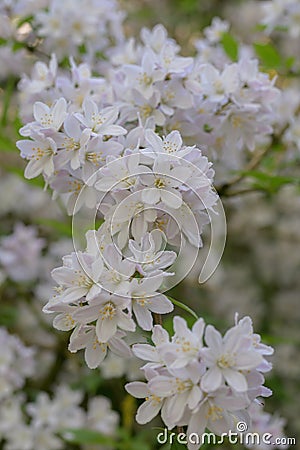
{"x":141,"y":179}
{"x":45,"y":26}
{"x":282,"y":14}
{"x":20,"y":253}
{"x":17,"y":363}
{"x":262,"y":423}
{"x":28,"y":426}
{"x":201,"y":385}
{"x":67,"y":31}
{"x":226,"y":106}
{"x":99,"y":290}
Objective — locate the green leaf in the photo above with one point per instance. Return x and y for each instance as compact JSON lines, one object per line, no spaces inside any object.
{"x":230,"y":46}
{"x":61,"y":227}
{"x":268,"y":55}
{"x":270,"y":182}
{"x":84,"y":436}
{"x":183,"y":306}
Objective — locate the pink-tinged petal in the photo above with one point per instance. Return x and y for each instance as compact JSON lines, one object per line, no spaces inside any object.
{"x":248,"y":360}
{"x":162,"y":386}
{"x":125,"y":322}
{"x":197,"y":425}
{"x":64,"y":322}
{"x":171,"y":198}
{"x":234,"y":403}
{"x":26,"y":148}
{"x":143,"y":316}
{"x":160,"y":304}
{"x":150,"y":195}
{"x":119,"y":347}
{"x":236,"y":380}
{"x":63,"y":275}
{"x":33,"y":169}
{"x":174,"y":410}
{"x":106,"y":329}
{"x":213,"y":338}
{"x":159,"y":335}
{"x":95,"y":353}
{"x":113,"y":130}
{"x":146,"y":352}
{"x":72,"y":294}
{"x":39,"y":110}
{"x":180,"y":326}
{"x":211,"y":380}
{"x":195,"y":397}
{"x":59,"y":112}
{"x":147,"y":411}
{"x":198,"y":328}
{"x":86,"y":314}
{"x":137,"y":389}
{"x":154,"y":140}
{"x":93,"y":292}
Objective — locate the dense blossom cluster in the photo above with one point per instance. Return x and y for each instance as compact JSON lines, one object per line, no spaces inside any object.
{"x":126,"y":133}
{"x":141,"y":179}
{"x":201,"y":385}
{"x":46,"y":26}
{"x":99,"y":291}
{"x":225,"y":106}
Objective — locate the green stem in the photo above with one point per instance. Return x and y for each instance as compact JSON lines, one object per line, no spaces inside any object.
{"x":183,"y":306}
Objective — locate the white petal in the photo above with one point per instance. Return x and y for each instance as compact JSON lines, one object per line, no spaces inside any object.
{"x":236,"y":380}
{"x":212,"y":380}
{"x":147,"y":411}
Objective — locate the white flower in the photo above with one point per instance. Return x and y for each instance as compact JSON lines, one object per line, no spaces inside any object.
{"x":71,"y":142}
{"x":145,"y":300}
{"x":108,"y":312}
{"x":101,"y":122}
{"x":50,"y":117}
{"x":144,"y":76}
{"x":151,"y":407}
{"x":186,"y":344}
{"x":120,"y":173}
{"x":162,"y":183}
{"x":78,"y":277}
{"x":117,"y":272}
{"x":101,"y":417}
{"x":40,"y":152}
{"x":219,"y":412}
{"x":151,"y":353}
{"x":227,"y":358}
{"x":171,"y":144}
{"x":181,"y":391}
{"x":148,"y":257}
{"x":85,"y":337}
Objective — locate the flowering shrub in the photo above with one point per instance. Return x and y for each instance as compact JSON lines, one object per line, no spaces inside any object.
{"x":128,"y":135}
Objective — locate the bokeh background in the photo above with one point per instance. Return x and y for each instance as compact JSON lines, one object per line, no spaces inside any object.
{"x":259,"y":273}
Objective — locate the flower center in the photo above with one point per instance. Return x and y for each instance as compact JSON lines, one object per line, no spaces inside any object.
{"x":108,"y":311}
{"x":159,"y":183}
{"x":225,"y":361}
{"x":214,"y":413}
